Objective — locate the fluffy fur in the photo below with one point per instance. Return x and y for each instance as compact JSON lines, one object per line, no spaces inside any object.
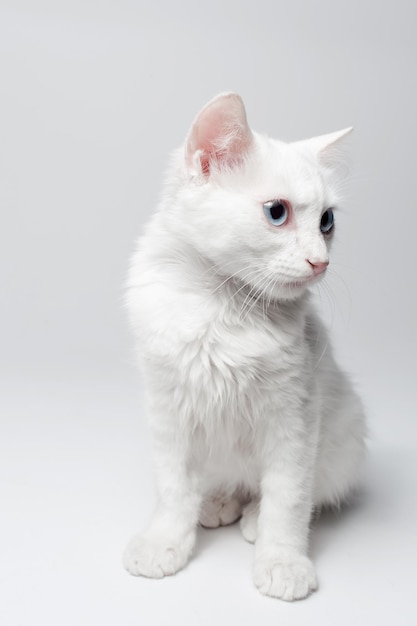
{"x":250,"y":415}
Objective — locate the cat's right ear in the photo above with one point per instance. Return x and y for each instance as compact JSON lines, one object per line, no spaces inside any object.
{"x":219,"y":135}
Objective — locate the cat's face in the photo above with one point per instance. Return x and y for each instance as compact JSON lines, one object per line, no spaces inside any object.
{"x":258,"y":209}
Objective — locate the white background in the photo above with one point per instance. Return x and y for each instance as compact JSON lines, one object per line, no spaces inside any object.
{"x":93,"y":97}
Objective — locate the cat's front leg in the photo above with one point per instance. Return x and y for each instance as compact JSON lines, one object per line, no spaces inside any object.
{"x":282,"y":568}
{"x":166,"y":545}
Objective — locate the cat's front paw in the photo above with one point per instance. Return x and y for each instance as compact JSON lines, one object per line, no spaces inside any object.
{"x":156,"y":557}
{"x":288,"y":577}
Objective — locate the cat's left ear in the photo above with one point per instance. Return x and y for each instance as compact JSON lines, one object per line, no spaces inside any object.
{"x":327,"y":147}
{"x":220,"y":135}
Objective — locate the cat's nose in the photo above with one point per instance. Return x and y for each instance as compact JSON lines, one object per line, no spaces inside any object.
{"x":318,"y":267}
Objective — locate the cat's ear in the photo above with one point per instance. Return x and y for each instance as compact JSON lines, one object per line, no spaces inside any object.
{"x":219,"y":135}
{"x":327,"y":147}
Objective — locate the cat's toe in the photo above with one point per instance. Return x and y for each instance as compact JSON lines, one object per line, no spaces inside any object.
{"x":156,"y":558}
{"x":220,"y":511}
{"x":287,"y":578}
{"x":249,"y":521}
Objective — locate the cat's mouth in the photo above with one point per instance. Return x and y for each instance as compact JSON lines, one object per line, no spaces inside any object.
{"x":303,"y":282}
{"x":297,"y":283}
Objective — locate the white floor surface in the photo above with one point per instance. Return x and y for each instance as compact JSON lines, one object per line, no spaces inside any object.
{"x":77,"y":482}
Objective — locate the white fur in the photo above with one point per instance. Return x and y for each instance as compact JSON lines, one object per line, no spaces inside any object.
{"x":245,"y":401}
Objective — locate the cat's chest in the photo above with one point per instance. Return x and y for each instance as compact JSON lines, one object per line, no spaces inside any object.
{"x":213,"y":368}
{"x":229,"y":360}
{"x":260,"y":344}
{"x":229,"y":382}
{"x":208,"y":349}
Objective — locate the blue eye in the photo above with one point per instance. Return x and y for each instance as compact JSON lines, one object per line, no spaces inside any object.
{"x":276,"y":212}
{"x":327,"y":221}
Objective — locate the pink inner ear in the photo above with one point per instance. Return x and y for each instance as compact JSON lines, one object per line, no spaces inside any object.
{"x":220,"y":132}
{"x":209,"y":129}
{"x":205,"y":164}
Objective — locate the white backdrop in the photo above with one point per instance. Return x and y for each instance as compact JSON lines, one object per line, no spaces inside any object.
{"x":93,"y":96}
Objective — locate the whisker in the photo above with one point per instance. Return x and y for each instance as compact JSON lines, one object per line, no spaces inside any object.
{"x":258,"y":294}
{"x":243,"y":286}
{"x":346,"y":288}
{"x":230,"y":278}
{"x":254,"y":290}
{"x":330,"y":298}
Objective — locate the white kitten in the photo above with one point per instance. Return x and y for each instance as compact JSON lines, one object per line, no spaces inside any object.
{"x":250,"y":415}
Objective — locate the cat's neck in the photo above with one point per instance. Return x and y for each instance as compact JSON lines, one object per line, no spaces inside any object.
{"x":232,"y":296}
{"x":249,"y":301}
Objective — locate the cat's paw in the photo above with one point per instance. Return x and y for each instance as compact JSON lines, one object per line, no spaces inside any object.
{"x":156,"y":557}
{"x":219,"y":510}
{"x":249,"y":521}
{"x":290,"y":577}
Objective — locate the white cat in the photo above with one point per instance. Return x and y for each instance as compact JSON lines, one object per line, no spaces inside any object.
{"x":250,"y":415}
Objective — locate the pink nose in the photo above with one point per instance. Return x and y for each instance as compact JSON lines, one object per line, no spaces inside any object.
{"x":318,"y":267}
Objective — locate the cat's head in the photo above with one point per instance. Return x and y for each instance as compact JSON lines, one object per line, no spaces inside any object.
{"x":257,"y":208}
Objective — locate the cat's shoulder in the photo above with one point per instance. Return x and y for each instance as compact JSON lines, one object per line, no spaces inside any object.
{"x":166,"y":310}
